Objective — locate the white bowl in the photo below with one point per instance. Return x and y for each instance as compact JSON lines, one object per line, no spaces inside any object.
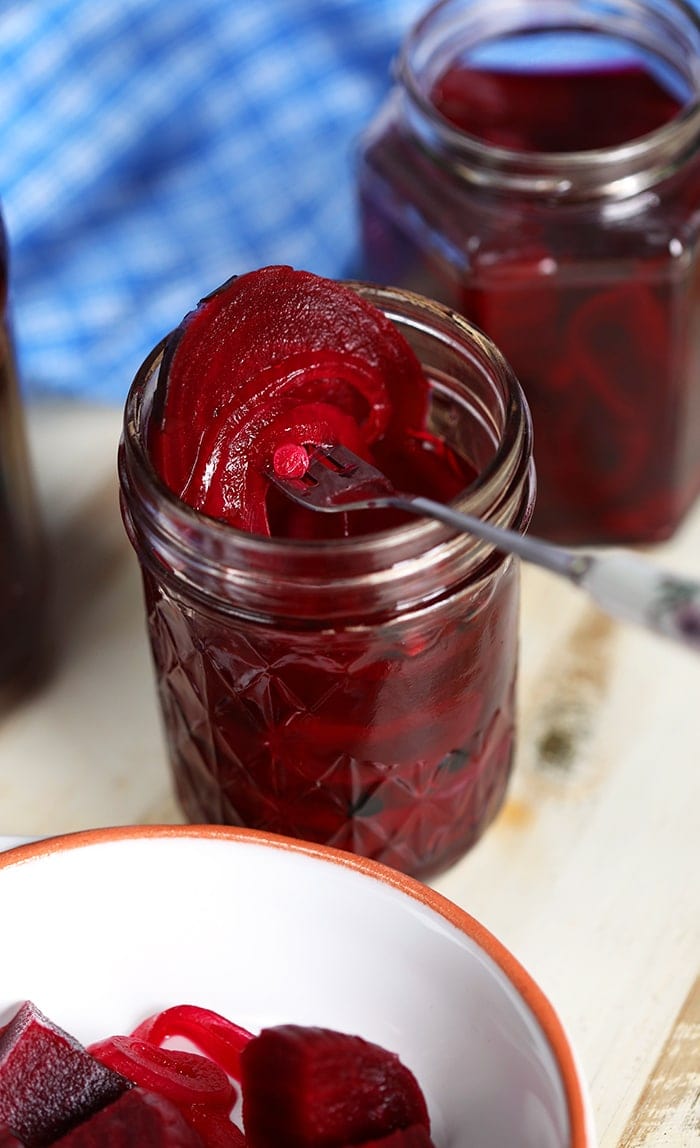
{"x":102,"y":928}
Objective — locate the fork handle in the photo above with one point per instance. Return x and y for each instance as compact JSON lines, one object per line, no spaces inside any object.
{"x":631,"y":588}
{"x":558,"y":559}
{"x":622,"y":583}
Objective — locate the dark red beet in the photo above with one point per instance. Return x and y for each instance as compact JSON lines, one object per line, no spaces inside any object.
{"x":48,"y":1081}
{"x":136,"y":1118}
{"x":417,"y":1136}
{"x":214,"y":1130}
{"x":310,"y":1087}
{"x":7,"y":1140}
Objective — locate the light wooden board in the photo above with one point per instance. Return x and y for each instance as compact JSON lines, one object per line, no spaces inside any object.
{"x":590,"y":874}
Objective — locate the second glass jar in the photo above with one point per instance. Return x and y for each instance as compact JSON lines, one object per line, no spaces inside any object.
{"x":358,"y":692}
{"x":537,"y":167}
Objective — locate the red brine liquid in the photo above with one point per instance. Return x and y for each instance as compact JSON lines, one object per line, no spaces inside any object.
{"x":388,"y":732}
{"x":556,"y":111}
{"x":596,"y":308}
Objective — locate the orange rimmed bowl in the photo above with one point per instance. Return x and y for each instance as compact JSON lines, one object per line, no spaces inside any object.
{"x":105,"y":927}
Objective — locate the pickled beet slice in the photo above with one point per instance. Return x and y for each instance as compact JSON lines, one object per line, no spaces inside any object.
{"x":218,"y":1038}
{"x":183,"y":1077}
{"x":618,"y":371}
{"x":138,"y":1117}
{"x":49,"y":1080}
{"x":308,"y":1087}
{"x":233,"y":484}
{"x":256,"y":354}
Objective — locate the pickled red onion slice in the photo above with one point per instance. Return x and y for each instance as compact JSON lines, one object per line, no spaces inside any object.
{"x":186,"y":1078}
{"x":218,"y":1038}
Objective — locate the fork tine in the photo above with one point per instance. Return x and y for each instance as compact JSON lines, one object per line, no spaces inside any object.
{"x":334,"y":457}
{"x":336,"y":480}
{"x":342,"y":473}
{"x":339,"y":459}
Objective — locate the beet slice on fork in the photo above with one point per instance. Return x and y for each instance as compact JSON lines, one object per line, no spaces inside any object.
{"x":275,"y":356}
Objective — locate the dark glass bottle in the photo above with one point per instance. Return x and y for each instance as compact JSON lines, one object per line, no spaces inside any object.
{"x":22,"y":552}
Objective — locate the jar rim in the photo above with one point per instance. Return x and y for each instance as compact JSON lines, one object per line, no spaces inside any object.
{"x":622,"y":170}
{"x":504,"y":488}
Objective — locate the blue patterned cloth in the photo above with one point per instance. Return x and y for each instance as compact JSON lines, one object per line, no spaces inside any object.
{"x":152,"y":148}
{"x":149,"y":149}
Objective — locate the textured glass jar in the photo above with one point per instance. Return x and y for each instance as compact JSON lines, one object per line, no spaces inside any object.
{"x":22,"y":554}
{"x":583,"y":266}
{"x":356,"y":692}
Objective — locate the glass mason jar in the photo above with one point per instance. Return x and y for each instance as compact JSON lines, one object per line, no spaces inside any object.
{"x":357,"y":692}
{"x":22,"y":557}
{"x":582,"y":265}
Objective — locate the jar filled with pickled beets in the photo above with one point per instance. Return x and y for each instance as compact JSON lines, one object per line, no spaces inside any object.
{"x":22,"y":553}
{"x":345,"y":679}
{"x":537,"y":167}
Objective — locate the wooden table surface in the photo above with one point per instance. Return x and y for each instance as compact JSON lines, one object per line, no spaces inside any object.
{"x":591,"y":873}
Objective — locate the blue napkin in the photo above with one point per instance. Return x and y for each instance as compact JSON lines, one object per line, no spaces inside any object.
{"x":149,"y":149}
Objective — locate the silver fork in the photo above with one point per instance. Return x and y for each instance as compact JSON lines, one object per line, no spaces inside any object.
{"x":622,"y":583}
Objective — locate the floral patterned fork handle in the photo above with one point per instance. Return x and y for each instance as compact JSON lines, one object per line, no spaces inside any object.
{"x":622,"y":583}
{"x":629,"y":587}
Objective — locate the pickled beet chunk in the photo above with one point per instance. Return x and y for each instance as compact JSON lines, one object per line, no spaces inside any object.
{"x":417,"y":1136}
{"x":308,"y":1087}
{"x":136,"y":1117}
{"x":8,"y":1139}
{"x":48,"y":1081}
